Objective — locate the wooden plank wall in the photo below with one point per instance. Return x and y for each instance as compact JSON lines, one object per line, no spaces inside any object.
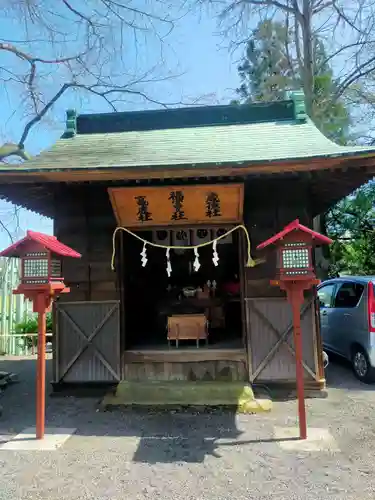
{"x":86,"y":223}
{"x":269,"y":206}
{"x":268,"y":209}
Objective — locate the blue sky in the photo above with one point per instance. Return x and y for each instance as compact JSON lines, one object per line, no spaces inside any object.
{"x":194,"y":51}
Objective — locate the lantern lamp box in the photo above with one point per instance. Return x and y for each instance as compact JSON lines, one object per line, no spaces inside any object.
{"x":294,"y":250}
{"x":41,"y":258}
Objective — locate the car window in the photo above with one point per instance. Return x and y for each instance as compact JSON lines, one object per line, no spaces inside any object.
{"x":325,"y":294}
{"x":348,"y":294}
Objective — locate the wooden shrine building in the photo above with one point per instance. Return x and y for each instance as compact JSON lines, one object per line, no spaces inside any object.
{"x":183,"y":177}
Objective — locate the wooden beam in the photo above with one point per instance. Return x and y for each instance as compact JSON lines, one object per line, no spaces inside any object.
{"x":45,"y":175}
{"x":327,"y":186}
{"x":182,"y":355}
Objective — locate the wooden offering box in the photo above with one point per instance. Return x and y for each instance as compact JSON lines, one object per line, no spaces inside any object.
{"x":187,"y":327}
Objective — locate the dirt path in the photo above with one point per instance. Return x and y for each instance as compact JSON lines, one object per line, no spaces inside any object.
{"x":139,"y":455}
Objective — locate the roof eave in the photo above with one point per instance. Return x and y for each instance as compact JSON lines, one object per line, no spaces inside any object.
{"x":318,"y":239}
{"x":317,"y":162}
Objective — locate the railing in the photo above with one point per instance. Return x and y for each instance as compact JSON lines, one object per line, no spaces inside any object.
{"x":13,"y":308}
{"x":21,"y":344}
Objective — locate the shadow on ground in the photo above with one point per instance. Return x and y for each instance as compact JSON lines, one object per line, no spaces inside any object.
{"x":161,"y":436}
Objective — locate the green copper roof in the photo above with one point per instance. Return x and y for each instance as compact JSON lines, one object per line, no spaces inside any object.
{"x":209,"y":136}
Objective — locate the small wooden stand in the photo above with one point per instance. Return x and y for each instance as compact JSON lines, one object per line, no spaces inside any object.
{"x":187,"y":327}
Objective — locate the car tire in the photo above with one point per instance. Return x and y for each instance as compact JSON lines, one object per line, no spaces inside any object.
{"x":361,"y":366}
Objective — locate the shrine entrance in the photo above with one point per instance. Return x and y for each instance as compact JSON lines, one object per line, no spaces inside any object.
{"x":160,"y":311}
{"x":181,"y":305}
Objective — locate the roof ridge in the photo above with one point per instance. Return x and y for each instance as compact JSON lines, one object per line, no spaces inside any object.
{"x":182,"y":117}
{"x":187,"y":108}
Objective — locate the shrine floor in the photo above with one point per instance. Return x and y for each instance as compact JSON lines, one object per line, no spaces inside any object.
{"x":183,"y":355}
{"x":189,"y":344}
{"x":186,"y":352}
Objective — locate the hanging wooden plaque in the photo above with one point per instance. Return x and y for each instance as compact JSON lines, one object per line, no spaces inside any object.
{"x":177,"y":205}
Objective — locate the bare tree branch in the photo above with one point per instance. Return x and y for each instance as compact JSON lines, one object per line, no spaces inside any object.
{"x":4,"y":227}
{"x":99,"y":60}
{"x":274,"y":3}
{"x":344,"y":17}
{"x":78,"y":13}
{"x":363,"y":70}
{"x":41,"y":114}
{"x":343,"y":48}
{"x":320,"y":6}
{"x":347,"y":34}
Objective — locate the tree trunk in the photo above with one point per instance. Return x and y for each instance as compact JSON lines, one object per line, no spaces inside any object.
{"x":308,"y":63}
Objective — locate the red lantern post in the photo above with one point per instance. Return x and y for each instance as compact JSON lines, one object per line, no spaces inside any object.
{"x":295,"y":275}
{"x":41,"y":282}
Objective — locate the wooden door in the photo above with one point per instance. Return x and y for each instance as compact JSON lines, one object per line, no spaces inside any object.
{"x":272,"y":355}
{"x":88,"y":342}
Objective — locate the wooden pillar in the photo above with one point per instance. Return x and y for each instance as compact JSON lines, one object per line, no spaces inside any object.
{"x":41,"y":367}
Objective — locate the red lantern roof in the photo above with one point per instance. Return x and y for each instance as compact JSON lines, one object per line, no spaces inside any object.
{"x":296,"y":226}
{"x":50,"y":243}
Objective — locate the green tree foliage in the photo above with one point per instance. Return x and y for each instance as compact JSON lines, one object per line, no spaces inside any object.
{"x":266,"y":70}
{"x":330,"y":114}
{"x":30,"y":325}
{"x":271,"y":66}
{"x":351,"y":225}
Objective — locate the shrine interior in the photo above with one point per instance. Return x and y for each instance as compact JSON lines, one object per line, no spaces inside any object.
{"x":211,"y":293}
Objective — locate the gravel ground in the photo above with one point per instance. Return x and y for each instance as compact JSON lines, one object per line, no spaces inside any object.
{"x":139,"y":455}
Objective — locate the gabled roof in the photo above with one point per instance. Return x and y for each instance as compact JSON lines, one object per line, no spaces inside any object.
{"x":210,"y":136}
{"x":295,"y":226}
{"x":51,"y":243}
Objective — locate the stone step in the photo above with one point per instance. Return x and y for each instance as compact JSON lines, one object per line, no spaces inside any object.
{"x":182,"y":394}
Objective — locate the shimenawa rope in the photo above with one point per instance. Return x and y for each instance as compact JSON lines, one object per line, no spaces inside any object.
{"x":249,"y":263}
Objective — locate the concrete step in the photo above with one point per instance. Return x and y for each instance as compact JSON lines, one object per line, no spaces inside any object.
{"x":182,"y":394}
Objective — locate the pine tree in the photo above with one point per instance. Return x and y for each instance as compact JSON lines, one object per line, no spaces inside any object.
{"x":270,"y":68}
{"x":266,"y":71}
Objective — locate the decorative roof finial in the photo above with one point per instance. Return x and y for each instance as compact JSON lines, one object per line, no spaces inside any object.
{"x":70,"y":124}
{"x":298,"y":98}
